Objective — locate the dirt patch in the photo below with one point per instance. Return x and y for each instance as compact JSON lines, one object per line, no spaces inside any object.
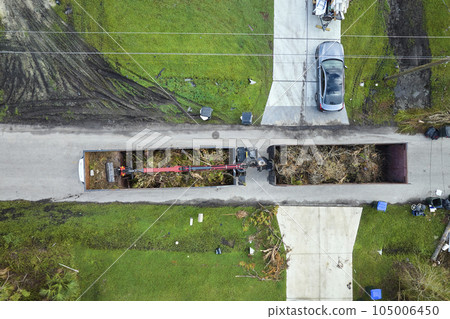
{"x":406,"y":18}
{"x":80,"y":89}
{"x":265,"y":15}
{"x":60,"y":216}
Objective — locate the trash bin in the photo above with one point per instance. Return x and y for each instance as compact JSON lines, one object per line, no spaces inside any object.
{"x":446,"y":204}
{"x":381,"y":206}
{"x":205,"y":113}
{"x":246,"y":118}
{"x":445,"y":131}
{"x":432,"y":133}
{"x":375,"y":294}
{"x":436,"y":202}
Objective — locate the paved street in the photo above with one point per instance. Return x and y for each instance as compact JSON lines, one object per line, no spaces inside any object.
{"x":291,"y":99}
{"x":43,"y":164}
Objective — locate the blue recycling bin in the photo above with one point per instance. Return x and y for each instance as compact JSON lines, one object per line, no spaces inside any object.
{"x":375,"y":294}
{"x":381,"y":206}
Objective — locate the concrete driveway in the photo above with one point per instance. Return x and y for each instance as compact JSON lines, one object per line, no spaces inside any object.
{"x":291,"y":100}
{"x":321,"y":240}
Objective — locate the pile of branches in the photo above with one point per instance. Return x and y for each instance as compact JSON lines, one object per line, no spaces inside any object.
{"x":420,"y":281}
{"x":202,"y":157}
{"x":419,"y":120}
{"x":269,"y":239}
{"x":333,"y":164}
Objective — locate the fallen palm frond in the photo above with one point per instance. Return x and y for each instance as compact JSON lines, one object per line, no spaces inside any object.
{"x":241,"y":214}
{"x":269,"y":238}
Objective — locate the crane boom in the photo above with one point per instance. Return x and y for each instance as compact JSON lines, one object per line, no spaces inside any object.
{"x":243,"y":157}
{"x":127,"y":171}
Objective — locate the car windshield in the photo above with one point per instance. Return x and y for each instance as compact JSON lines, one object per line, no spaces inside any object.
{"x":334,"y":71}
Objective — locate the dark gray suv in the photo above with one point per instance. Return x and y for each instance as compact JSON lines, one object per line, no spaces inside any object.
{"x":330,"y":76}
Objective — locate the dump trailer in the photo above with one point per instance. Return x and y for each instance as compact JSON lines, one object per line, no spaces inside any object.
{"x":338,"y":164}
{"x":118,"y":169}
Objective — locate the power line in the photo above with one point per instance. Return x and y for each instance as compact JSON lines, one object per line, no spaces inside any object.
{"x":136,"y":32}
{"x":216,"y":54}
{"x":216,"y":33}
{"x":397,"y":36}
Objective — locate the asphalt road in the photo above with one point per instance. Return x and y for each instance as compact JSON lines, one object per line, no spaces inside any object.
{"x":43,"y":164}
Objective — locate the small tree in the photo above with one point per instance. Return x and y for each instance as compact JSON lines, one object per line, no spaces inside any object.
{"x":423,"y":282}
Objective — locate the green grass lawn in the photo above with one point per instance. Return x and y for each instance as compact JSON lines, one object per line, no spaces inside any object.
{"x":159,"y":275}
{"x":436,"y":22}
{"x":371,"y":103}
{"x":221,"y":82}
{"x":35,"y":237}
{"x":400,"y":235}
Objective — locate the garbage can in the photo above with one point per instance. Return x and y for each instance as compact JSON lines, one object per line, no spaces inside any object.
{"x":375,"y":294}
{"x":382,"y":206}
{"x":436,"y":202}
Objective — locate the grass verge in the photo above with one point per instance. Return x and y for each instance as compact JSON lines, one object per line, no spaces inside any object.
{"x":371,"y":103}
{"x":35,"y":238}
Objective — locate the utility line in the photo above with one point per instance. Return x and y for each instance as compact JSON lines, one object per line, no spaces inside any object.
{"x":215,"y":33}
{"x":216,"y":54}
{"x":396,"y":36}
{"x":136,"y":32}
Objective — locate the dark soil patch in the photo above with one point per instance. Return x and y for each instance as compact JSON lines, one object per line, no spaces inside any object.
{"x":9,"y":213}
{"x":49,"y":208}
{"x":404,"y":249}
{"x":406,"y":18}
{"x":265,"y":15}
{"x":228,"y":243}
{"x":444,"y":259}
{"x":76,"y":89}
{"x":60,"y":216}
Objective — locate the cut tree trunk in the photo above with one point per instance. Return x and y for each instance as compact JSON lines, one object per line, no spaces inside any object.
{"x":441,"y":243}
